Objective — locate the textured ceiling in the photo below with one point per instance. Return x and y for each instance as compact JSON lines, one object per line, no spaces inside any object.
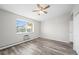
{"x":54,"y":11}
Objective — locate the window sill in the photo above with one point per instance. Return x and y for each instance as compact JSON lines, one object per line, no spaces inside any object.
{"x":24,"y":33}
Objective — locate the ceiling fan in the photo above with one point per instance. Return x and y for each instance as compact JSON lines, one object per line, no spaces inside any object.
{"x":41,"y":9}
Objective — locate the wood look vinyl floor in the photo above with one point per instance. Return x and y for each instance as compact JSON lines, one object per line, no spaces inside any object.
{"x":40,"y":46}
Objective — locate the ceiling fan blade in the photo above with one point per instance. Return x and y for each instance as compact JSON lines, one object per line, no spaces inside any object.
{"x":35,"y":10}
{"x":47,"y":7}
{"x":45,"y":12}
{"x":38,"y":5}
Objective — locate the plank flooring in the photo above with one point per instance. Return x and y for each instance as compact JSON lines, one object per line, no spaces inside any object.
{"x":40,"y":46}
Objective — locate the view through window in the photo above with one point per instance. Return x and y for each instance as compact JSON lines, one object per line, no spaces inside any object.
{"x":23,"y":26}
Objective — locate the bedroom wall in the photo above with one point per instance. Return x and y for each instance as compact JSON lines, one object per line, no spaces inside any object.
{"x":8,"y":25}
{"x":0,"y":31}
{"x":8,"y":28}
{"x":76,"y":34}
{"x":71,"y":29}
{"x":56,"y":29}
{"x":76,"y":29}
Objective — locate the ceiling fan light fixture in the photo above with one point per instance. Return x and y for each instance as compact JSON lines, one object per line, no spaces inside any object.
{"x":42,"y":9}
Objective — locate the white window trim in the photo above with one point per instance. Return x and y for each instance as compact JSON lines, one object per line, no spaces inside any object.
{"x":27,"y":32}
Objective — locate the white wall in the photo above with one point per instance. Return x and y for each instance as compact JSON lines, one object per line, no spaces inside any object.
{"x":8,"y":28}
{"x":71,"y":29}
{"x":0,"y":31}
{"x":56,"y":29}
{"x":76,"y":33}
{"x":76,"y":29}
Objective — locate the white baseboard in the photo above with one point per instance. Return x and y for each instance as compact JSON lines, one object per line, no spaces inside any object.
{"x":61,"y":38}
{"x":13,"y":44}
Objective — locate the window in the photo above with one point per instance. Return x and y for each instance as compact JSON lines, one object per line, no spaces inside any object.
{"x":23,"y":26}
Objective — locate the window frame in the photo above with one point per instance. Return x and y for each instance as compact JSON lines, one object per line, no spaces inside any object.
{"x":26,"y":31}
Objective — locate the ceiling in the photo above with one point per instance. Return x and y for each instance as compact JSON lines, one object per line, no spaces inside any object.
{"x":54,"y":11}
